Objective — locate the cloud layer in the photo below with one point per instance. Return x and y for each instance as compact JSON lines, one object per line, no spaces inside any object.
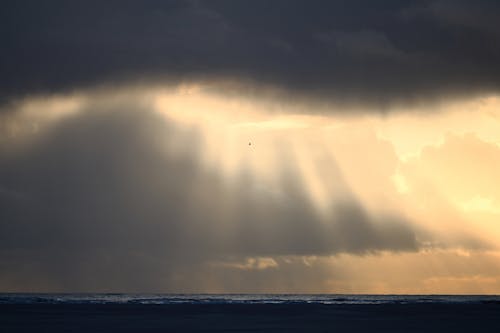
{"x":98,"y":196}
{"x":353,"y":52}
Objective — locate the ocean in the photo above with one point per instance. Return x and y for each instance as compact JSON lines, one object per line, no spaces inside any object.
{"x":247,"y":313}
{"x":159,"y":299}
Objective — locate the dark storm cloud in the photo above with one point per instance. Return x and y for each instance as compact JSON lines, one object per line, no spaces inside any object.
{"x":98,"y":203}
{"x":361,"y":52}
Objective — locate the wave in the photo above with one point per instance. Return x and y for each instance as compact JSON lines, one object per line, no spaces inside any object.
{"x":159,"y":299}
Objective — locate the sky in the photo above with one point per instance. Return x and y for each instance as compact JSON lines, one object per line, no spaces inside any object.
{"x":250,"y":146}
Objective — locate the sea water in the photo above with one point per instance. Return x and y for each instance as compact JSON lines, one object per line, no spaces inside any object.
{"x":158,"y":299}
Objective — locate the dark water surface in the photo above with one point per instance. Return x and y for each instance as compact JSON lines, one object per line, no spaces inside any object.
{"x":247,"y":313}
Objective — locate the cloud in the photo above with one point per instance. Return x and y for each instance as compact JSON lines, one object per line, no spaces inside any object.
{"x":99,"y":196}
{"x":455,"y":182}
{"x":463,"y":166}
{"x":353,"y":53}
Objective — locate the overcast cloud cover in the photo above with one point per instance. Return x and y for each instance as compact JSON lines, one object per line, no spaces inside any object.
{"x":352,"y":52}
{"x":98,"y":200}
